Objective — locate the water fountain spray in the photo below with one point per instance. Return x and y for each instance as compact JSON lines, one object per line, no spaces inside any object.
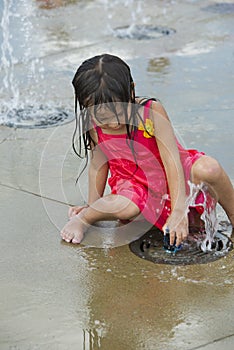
{"x":22,"y":73}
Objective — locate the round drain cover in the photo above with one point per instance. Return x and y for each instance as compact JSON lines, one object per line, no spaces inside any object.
{"x":142,"y":32}
{"x":36,"y":117}
{"x":150,"y":247}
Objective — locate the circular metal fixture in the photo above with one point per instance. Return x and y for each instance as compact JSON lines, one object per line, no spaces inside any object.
{"x":142,"y":32}
{"x":151,"y":246}
{"x":36,"y":117}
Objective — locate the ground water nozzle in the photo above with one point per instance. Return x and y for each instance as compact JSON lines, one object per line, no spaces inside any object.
{"x":169,"y":248}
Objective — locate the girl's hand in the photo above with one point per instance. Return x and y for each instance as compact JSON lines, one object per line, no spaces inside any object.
{"x":178,"y":227}
{"x":73,"y":211}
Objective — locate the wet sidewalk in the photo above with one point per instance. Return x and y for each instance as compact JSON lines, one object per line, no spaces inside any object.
{"x":60,"y":296}
{"x":56,"y":295}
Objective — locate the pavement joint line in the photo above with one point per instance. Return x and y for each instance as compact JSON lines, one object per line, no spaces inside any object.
{"x":34,"y":194}
{"x":212,"y":342}
{"x":7,"y":137}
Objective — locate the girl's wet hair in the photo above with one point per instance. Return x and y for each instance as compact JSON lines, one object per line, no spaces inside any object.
{"x":103,"y":79}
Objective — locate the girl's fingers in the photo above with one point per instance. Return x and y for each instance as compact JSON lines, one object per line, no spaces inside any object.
{"x":172,"y":237}
{"x":178,"y":234}
{"x":180,"y":237}
{"x":178,"y":240}
{"x":72,"y":211}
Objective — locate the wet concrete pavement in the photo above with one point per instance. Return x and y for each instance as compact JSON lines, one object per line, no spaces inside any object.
{"x":60,"y":296}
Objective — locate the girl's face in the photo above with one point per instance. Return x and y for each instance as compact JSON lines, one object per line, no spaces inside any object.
{"x":107,"y":118}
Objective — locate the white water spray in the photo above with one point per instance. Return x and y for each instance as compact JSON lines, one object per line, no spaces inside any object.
{"x":23,"y":101}
{"x":16,"y":18}
{"x":135,"y":10}
{"x":209,"y":213}
{"x":8,"y":61}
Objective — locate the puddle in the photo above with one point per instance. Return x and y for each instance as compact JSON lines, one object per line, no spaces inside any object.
{"x":120,"y":263}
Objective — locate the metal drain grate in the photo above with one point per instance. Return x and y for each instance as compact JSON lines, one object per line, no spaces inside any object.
{"x":142,"y":32}
{"x":150,"y":247}
{"x":36,"y":117}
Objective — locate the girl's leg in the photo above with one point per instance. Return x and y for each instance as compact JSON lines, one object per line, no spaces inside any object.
{"x":209,"y":171}
{"x":110,"y":207}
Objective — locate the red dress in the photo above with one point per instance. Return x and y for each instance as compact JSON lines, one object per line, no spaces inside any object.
{"x":145,"y":184}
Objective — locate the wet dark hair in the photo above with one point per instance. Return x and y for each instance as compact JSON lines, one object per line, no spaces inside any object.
{"x":103,"y":79}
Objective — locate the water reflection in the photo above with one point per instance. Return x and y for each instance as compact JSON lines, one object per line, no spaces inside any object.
{"x":132,"y":311}
{"x":159,"y":65}
{"x":50,"y":4}
{"x":92,"y":338}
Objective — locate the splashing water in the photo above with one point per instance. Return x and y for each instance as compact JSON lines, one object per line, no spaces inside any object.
{"x":17,"y":51}
{"x":138,"y":27}
{"x":8,"y":60}
{"x":133,"y":7}
{"x":22,"y":73}
{"x":208,"y":209}
{"x":208,"y":239}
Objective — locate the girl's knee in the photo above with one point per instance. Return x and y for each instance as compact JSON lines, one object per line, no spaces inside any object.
{"x":129,"y":212}
{"x":206,"y":169}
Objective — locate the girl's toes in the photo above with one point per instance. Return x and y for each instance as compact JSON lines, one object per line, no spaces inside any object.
{"x":76,"y":240}
{"x":66,"y":236}
{"x":62,"y":234}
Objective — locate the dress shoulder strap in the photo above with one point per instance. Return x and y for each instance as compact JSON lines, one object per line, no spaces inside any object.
{"x":147,"y":106}
{"x":145,"y":100}
{"x":147,"y":109}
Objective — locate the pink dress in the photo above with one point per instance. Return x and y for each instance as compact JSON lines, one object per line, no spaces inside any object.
{"x":144,"y":184}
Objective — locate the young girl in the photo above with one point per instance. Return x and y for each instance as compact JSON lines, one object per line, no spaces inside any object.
{"x":133,"y":139}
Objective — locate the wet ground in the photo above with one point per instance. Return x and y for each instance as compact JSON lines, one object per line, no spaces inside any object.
{"x":58,"y":296}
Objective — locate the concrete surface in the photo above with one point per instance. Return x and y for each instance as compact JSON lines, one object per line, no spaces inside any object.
{"x":60,"y":296}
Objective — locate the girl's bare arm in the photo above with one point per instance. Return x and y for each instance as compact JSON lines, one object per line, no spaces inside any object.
{"x":97,"y":177}
{"x":170,"y":156}
{"x":98,"y":172}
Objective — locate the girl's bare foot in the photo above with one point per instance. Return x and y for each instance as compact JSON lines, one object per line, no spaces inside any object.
{"x":74,"y":230}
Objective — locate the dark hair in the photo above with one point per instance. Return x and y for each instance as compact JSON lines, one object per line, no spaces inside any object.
{"x":102,"y":79}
